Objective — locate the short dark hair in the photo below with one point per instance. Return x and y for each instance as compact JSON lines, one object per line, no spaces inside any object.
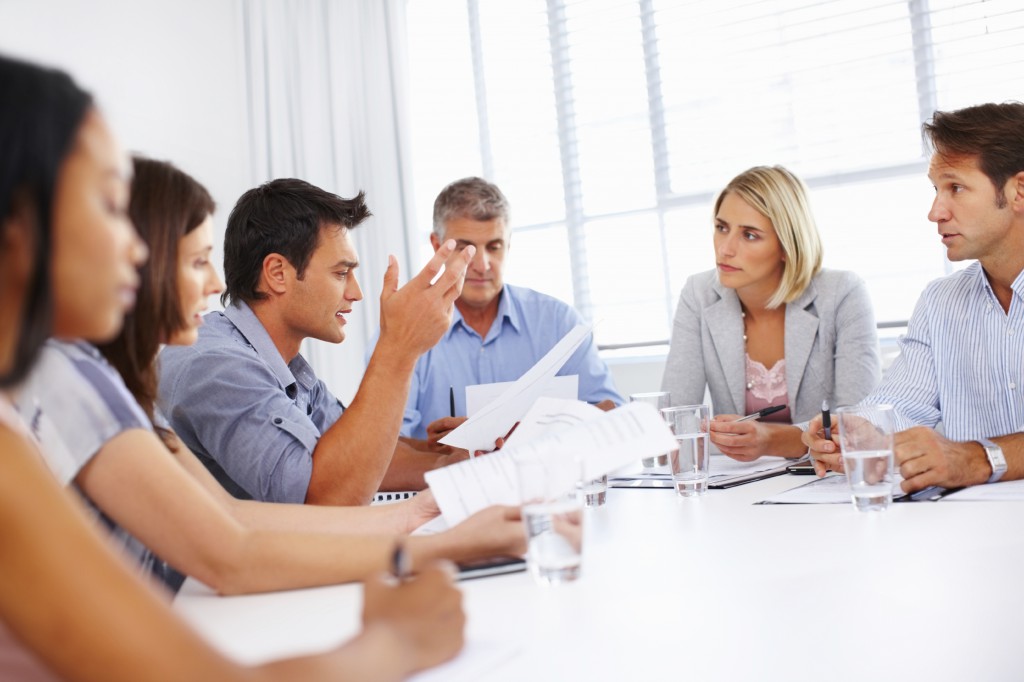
{"x":166,"y":204}
{"x":282,"y":216}
{"x":994,"y":133}
{"x":41,"y":112}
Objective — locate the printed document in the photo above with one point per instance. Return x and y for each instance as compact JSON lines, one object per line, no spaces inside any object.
{"x":480,"y":395}
{"x":496,"y":419}
{"x":603,"y":444}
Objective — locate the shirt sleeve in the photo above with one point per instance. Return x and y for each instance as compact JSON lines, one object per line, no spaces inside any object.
{"x":233,"y":407}
{"x":685,"y":377}
{"x":911,"y":385}
{"x":76,"y":404}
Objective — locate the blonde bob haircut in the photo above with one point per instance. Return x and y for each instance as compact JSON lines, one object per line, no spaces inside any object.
{"x":781,"y":197}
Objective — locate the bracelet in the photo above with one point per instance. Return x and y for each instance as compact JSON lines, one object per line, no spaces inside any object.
{"x":400,"y":561}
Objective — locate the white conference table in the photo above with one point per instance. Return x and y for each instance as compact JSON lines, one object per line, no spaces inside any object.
{"x":716,"y":588}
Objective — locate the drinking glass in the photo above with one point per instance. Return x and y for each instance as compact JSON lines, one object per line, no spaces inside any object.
{"x":689,"y":461}
{"x":552,"y":517}
{"x":866,"y":440}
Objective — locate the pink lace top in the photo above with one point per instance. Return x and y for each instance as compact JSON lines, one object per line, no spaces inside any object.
{"x":17,"y":662}
{"x":767,"y":387}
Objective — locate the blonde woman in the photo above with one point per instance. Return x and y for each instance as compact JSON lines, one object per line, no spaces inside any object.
{"x":768,"y":326}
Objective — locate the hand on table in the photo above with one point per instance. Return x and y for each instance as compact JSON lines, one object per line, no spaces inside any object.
{"x":424,"y":612}
{"x":926,"y":458}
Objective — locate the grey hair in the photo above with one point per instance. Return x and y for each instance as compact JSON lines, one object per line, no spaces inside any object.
{"x":472,"y":198}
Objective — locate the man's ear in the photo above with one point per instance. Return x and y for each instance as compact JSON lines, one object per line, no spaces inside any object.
{"x":277,"y":273}
{"x":1015,"y":188}
{"x":435,"y":241}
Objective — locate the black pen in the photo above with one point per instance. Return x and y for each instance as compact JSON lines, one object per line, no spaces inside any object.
{"x":762,"y":413}
{"x":826,"y":420}
{"x":451,"y":400}
{"x":932,"y":493}
{"x":400,"y":562}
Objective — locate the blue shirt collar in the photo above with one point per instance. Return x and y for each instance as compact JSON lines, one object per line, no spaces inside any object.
{"x":1017,"y":287}
{"x":248,"y":325}
{"x":508,"y":309}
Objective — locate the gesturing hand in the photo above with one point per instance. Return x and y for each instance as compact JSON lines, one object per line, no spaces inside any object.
{"x":413,"y":318}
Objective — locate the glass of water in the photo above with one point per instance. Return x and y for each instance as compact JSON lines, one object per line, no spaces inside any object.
{"x":689,"y":462}
{"x":866,"y":440}
{"x":659,"y":400}
{"x":552,"y":516}
{"x":593,"y":491}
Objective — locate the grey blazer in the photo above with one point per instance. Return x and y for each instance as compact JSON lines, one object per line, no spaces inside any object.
{"x":831,"y":345}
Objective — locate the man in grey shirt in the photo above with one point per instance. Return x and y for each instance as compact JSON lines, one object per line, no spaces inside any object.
{"x":248,"y":404}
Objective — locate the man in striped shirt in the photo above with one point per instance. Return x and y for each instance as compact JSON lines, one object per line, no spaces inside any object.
{"x":962,"y":359}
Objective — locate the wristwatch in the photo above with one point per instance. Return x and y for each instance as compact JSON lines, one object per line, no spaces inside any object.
{"x":996,"y":459}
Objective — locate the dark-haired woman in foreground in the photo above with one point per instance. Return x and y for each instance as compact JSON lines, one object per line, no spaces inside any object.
{"x":69,"y":608}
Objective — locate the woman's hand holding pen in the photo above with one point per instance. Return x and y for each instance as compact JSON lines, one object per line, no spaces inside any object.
{"x":422,"y":615}
{"x":742,"y":440}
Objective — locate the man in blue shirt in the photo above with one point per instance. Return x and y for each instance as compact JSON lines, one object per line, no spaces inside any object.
{"x":498,"y":331}
{"x":245,"y":401}
{"x":962,"y":358}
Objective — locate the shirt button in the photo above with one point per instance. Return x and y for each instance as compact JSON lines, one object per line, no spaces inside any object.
{"x":1009,"y":332}
{"x":1013,"y":386}
{"x":278,"y":420}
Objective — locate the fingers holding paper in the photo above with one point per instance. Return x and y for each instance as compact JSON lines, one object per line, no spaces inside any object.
{"x":496,"y":531}
{"x":439,"y":428}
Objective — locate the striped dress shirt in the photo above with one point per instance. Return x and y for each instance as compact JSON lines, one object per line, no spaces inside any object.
{"x":961,"y":361}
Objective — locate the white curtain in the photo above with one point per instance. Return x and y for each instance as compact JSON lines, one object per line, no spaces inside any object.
{"x":325,"y":84}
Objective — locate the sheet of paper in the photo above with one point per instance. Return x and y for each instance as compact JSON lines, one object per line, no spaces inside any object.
{"x":480,"y":395}
{"x":496,"y":418}
{"x":992,"y":492}
{"x":612,"y":439}
{"x":723,"y":467}
{"x":833,"y":489}
{"x":548,"y":416}
{"x":720,"y":466}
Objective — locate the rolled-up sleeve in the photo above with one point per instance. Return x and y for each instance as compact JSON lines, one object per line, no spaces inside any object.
{"x":236,"y":413}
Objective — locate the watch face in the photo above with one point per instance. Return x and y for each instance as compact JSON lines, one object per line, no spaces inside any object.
{"x":996,"y":459}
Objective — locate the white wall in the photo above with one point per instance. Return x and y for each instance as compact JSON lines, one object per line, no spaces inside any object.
{"x":166,"y":76}
{"x":170,"y":79}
